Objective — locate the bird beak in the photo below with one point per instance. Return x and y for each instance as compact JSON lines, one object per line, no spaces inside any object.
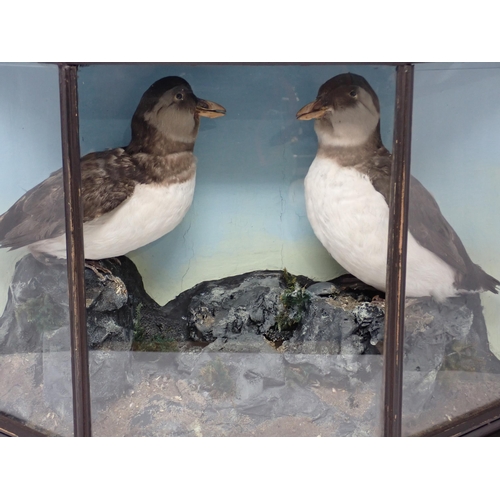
{"x":209,"y":109}
{"x":312,"y":110}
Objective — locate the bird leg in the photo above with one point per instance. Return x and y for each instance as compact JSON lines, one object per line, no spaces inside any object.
{"x":98,"y":269}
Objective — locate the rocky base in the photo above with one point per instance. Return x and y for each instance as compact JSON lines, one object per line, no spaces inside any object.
{"x":260,"y":347}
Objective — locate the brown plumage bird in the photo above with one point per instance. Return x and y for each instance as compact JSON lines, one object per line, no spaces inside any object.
{"x":131,"y":196}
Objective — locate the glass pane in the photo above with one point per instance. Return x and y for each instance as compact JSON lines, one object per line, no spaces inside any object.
{"x":221,"y":340}
{"x":35,"y":372}
{"x":453,"y":344}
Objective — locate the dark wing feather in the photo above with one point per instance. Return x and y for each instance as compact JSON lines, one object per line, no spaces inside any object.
{"x":429,"y":227}
{"x":37,"y":215}
{"x":107,"y":181}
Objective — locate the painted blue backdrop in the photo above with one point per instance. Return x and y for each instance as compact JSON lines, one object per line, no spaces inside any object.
{"x":248,"y":211}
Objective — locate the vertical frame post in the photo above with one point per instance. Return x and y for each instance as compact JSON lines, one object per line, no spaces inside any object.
{"x":74,"y":243}
{"x":396,"y":254}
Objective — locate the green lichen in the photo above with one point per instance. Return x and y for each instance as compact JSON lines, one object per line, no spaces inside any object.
{"x":216,"y":378}
{"x":294,"y":303}
{"x":154,"y":343}
{"x":139,"y":331}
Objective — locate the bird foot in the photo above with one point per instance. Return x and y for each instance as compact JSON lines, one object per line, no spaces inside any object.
{"x":377,"y":299}
{"x":98,"y":269}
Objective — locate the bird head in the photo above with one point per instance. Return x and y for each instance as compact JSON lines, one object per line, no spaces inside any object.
{"x":169,"y":113}
{"x":346,"y":110}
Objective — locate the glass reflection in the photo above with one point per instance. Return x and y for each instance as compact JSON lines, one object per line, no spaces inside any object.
{"x":35,"y":369}
{"x":237,"y":350}
{"x":451,"y":364}
{"x":252,"y":339}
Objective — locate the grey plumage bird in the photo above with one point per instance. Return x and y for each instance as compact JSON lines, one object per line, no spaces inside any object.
{"x":347,"y":193}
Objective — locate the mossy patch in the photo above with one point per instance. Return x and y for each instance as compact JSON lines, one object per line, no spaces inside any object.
{"x":150,"y":343}
{"x":294,"y":303}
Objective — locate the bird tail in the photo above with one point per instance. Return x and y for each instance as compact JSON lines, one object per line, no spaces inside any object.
{"x":487,"y":281}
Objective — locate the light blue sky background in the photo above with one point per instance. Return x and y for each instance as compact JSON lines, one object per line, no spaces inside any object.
{"x":248,"y":211}
{"x":456,"y":155}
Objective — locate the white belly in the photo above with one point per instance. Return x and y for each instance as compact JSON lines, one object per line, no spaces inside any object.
{"x":351,"y":218}
{"x":151,"y":212}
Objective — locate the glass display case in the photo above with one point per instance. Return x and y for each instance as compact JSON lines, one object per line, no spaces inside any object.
{"x":454,"y":150}
{"x":204,"y":291}
{"x":35,"y":356}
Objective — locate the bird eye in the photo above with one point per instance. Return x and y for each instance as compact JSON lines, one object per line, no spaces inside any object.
{"x":179,"y":96}
{"x":353,"y":93}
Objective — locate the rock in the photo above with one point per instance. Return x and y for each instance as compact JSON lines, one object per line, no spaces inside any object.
{"x":250,"y":303}
{"x":36,"y":320}
{"x":118,"y":307}
{"x":258,"y":346}
{"x":37,"y":306}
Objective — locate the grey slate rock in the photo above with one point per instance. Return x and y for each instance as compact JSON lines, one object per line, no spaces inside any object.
{"x":256,"y":344}
{"x":37,"y":306}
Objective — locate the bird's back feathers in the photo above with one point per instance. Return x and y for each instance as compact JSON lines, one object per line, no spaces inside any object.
{"x":108,"y":179}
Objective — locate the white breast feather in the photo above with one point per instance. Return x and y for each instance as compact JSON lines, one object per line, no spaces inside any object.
{"x":351,"y":218}
{"x":152,"y":211}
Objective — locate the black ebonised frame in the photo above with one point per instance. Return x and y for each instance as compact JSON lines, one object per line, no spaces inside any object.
{"x":480,"y":422}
